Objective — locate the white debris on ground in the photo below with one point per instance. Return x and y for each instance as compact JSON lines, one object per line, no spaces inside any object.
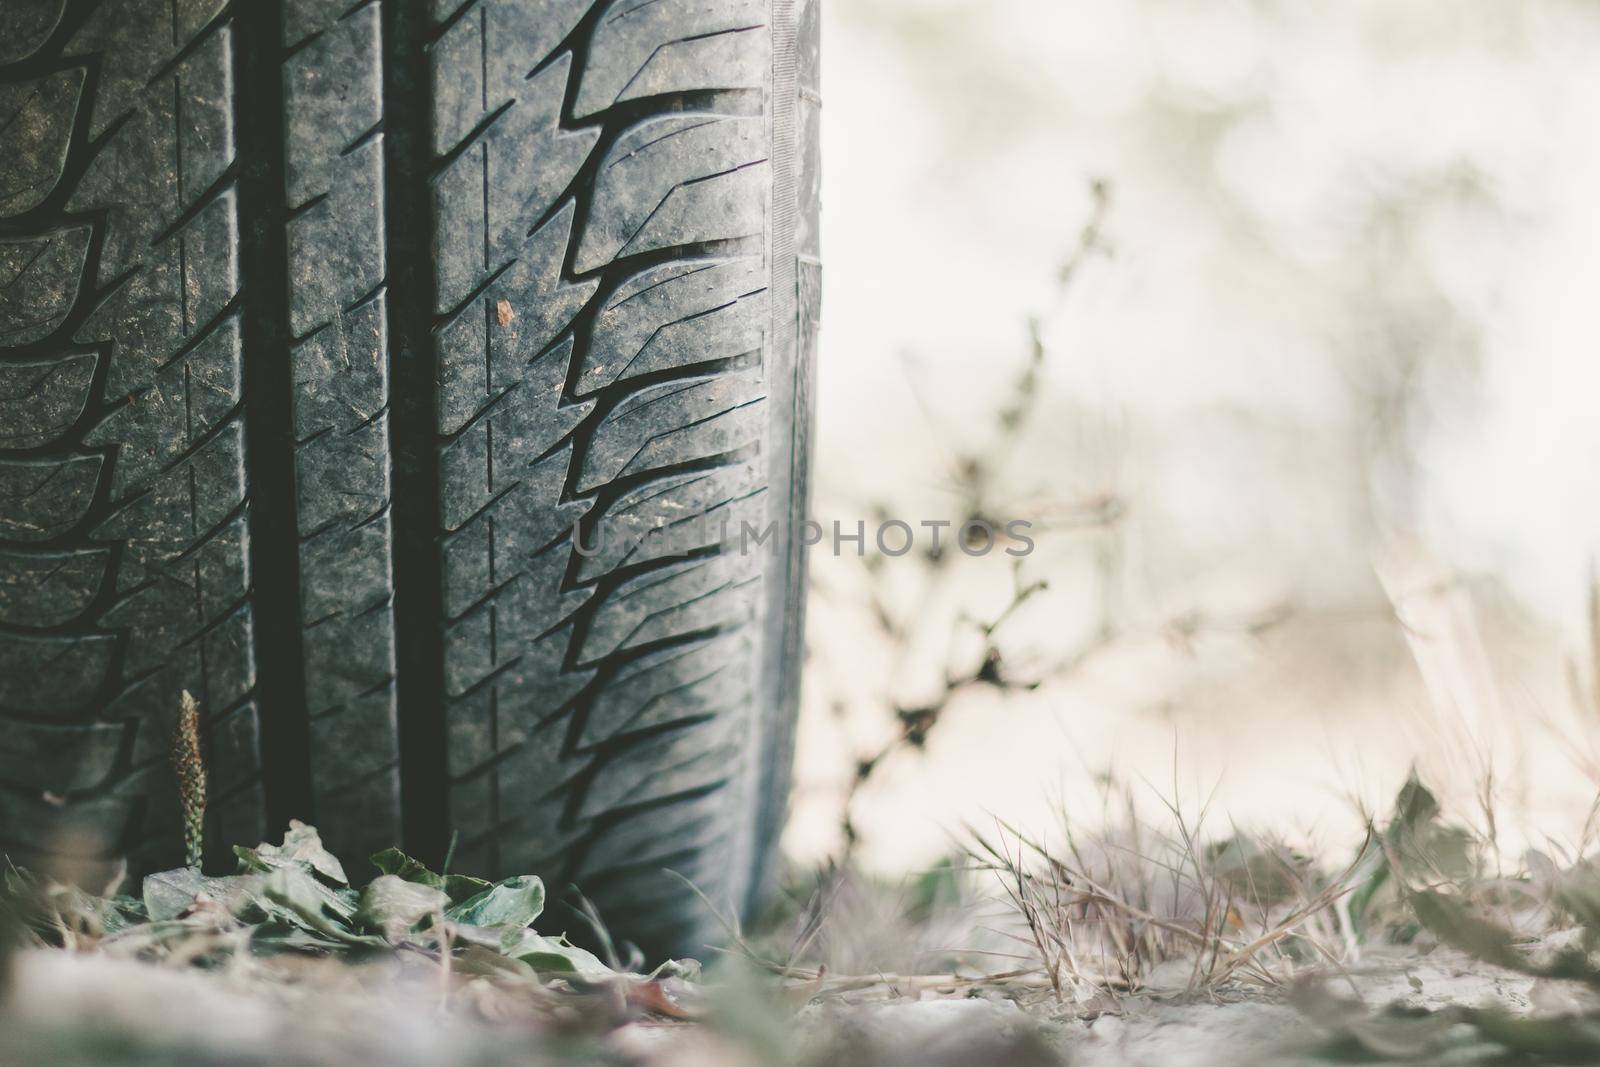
{"x":89,"y":1008}
{"x":67,"y":1008}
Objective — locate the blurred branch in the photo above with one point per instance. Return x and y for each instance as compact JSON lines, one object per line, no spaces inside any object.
{"x":976,"y":476}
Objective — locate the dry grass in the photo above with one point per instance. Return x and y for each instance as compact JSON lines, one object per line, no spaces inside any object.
{"x":1142,"y":907}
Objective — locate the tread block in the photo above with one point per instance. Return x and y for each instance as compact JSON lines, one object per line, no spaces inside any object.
{"x":341,"y":373}
{"x":29,"y":23}
{"x":698,"y":756}
{"x":677,"y":179}
{"x":336,"y":252}
{"x":49,"y":588}
{"x":343,"y":476}
{"x":502,"y":541}
{"x":346,"y":644}
{"x":646,"y":47}
{"x":676,"y":600}
{"x":501,"y":451}
{"x":304,"y":19}
{"x":174,"y":143}
{"x":491,"y":345}
{"x":676,"y":315}
{"x":332,"y":94}
{"x":507,"y":811}
{"x":674,"y":516}
{"x":642,"y":844}
{"x":526,"y":695}
{"x":188,"y":400}
{"x":355,"y":759}
{"x":51,"y":675}
{"x":44,"y":498}
{"x":36,"y":116}
{"x":484,"y":58}
{"x":183,"y":285}
{"x":178,"y":600}
{"x":60,"y":758}
{"x":41,"y":401}
{"x":527,"y":160}
{"x":671,"y":684}
{"x":137,"y":39}
{"x":346,"y":570}
{"x":181,"y":502}
{"x":498,"y":545}
{"x":497,"y":632}
{"x":39,"y":281}
{"x":672,"y":423}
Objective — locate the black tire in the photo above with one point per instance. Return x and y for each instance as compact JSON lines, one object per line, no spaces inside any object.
{"x":323,"y":325}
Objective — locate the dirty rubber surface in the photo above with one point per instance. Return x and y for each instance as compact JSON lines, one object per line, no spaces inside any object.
{"x":324,"y":329}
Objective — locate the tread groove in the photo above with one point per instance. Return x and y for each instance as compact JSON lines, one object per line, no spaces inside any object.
{"x":418,"y":563}
{"x":274,"y":539}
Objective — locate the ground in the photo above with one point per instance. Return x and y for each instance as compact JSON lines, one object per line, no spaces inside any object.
{"x":1140,"y":945}
{"x":71,"y":1008}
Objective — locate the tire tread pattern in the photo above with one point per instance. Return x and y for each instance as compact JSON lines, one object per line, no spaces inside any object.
{"x":601,"y":340}
{"x":334,"y":186}
{"x":610,"y":362}
{"x":124,"y":547}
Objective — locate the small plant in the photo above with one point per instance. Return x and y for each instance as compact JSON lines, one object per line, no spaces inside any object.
{"x":294,"y":898}
{"x":188,"y":766}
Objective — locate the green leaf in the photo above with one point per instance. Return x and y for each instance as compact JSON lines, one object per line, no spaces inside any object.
{"x":515,"y":902}
{"x":1369,"y":874}
{"x":142,"y":936}
{"x":1414,"y":808}
{"x":1415,"y":842}
{"x":86,"y":911}
{"x":305,"y":902}
{"x":1420,"y":841}
{"x":168,"y":894}
{"x":288,"y":937}
{"x":1451,"y":922}
{"x":302,"y":846}
{"x":557,"y":957}
{"x":393,"y":905}
{"x":1568,"y":1040}
{"x":687,"y":969}
{"x":547,"y":955}
{"x":1578,"y":891}
{"x":393,"y":861}
{"x":1390,"y":1038}
{"x":550,"y":955}
{"x":125,"y":911}
{"x":475,"y":959}
{"x":462,"y":887}
{"x":458,"y":887}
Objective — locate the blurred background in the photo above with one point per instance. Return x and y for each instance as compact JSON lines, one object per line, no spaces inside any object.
{"x":1278,"y":321}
